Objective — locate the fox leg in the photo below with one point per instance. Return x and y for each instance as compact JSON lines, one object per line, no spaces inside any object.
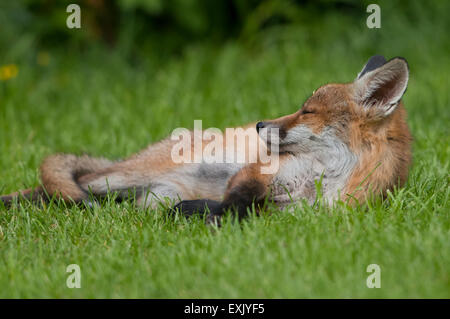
{"x":145,"y":177}
{"x":158,"y":193}
{"x":149,"y":189}
{"x":245,"y":188}
{"x":122,"y":182}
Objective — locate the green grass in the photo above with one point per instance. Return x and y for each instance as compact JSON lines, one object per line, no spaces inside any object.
{"x":99,"y":104}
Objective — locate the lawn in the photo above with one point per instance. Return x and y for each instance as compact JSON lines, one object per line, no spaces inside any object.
{"x":98,"y":102}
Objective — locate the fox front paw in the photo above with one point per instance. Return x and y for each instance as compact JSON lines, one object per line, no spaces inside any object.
{"x":200,"y":207}
{"x":214,"y":219}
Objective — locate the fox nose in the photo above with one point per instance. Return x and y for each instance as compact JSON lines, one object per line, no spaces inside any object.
{"x":259,"y":125}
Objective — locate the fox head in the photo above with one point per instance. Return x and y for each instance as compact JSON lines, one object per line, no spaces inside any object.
{"x":362,"y":121}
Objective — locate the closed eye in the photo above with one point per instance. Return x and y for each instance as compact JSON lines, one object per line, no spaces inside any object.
{"x":306,"y":111}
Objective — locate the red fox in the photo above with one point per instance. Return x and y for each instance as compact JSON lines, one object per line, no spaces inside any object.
{"x":352,"y":137}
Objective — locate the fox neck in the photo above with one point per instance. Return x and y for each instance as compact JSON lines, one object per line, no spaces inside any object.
{"x":329,"y":163}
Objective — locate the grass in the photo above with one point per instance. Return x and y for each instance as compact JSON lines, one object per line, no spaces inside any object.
{"x":98,"y":103}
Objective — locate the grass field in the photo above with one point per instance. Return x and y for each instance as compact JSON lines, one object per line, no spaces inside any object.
{"x":97,"y":103}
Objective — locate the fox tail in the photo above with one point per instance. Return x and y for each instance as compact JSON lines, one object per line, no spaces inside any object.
{"x":59,"y":175}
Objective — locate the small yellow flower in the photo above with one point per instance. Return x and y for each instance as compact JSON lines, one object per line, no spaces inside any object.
{"x":8,"y":71}
{"x":43,"y":58}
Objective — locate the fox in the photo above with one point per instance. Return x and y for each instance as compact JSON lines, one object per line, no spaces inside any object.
{"x":352,"y":137}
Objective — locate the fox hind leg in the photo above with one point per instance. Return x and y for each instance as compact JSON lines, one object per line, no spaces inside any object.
{"x":147,"y":192}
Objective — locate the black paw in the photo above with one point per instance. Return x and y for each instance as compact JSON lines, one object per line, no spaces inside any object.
{"x":214,"y":219}
{"x":200,"y":207}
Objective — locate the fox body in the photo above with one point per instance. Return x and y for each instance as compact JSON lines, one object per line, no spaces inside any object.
{"x":352,"y":137}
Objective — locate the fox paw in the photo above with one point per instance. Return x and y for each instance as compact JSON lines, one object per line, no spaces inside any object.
{"x":200,"y":207}
{"x":214,"y":219}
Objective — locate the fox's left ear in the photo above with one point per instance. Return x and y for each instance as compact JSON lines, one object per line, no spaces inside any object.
{"x":381,"y":85}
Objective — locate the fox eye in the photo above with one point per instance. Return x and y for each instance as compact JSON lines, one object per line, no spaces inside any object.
{"x":306,"y":111}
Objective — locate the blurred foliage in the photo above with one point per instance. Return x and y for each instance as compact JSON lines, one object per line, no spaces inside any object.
{"x":132,"y":25}
{"x":135,"y":28}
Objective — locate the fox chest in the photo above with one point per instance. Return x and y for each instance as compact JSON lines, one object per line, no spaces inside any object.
{"x":299,"y":178}
{"x":295,"y":181}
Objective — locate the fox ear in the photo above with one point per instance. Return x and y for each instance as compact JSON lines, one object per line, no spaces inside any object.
{"x":380,"y":87}
{"x":374,"y":62}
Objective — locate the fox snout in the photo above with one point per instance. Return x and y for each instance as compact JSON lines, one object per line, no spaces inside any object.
{"x":270,"y":132}
{"x":298,"y":139}
{"x":259,"y":125}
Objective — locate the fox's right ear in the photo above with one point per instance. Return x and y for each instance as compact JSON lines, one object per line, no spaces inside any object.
{"x":380,"y":85}
{"x":374,"y":63}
